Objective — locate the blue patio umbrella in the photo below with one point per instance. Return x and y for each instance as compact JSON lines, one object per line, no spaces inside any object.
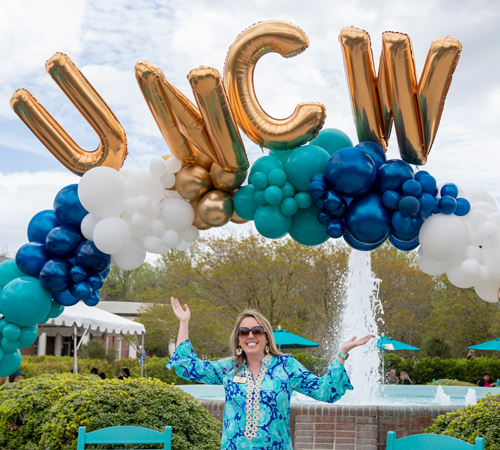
{"x":490,"y":345}
{"x":387,"y":343}
{"x":285,"y":339}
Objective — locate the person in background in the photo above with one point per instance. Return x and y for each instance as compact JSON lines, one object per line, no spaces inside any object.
{"x":471,"y":355}
{"x":391,"y":378}
{"x":405,"y":378}
{"x":16,"y":376}
{"x":142,"y":355}
{"x":125,"y":373}
{"x":485,"y":382}
{"x":96,"y":371}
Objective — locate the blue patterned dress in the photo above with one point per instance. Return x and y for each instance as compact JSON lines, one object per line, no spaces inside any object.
{"x":284,"y":375}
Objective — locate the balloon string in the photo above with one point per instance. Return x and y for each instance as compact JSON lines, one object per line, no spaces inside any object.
{"x":133,"y":159}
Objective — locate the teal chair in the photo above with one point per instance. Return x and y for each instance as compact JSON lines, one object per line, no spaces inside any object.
{"x":430,"y":442}
{"x":124,"y":435}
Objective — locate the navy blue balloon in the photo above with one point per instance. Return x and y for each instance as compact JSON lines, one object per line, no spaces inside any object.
{"x":333,"y":201}
{"x":335,"y":228}
{"x":436,"y":209}
{"x":411,"y":187}
{"x":428,"y":184}
{"x":31,"y":257}
{"x":426,"y":202}
{"x":105,"y":273}
{"x":339,"y":213}
{"x":409,"y":205}
{"x":93,"y":299}
{"x":91,"y":258}
{"x":447,"y":204}
{"x":449,"y":189}
{"x":96,"y":281}
{"x":402,"y":245}
{"x":67,"y":207}
{"x":41,"y":224}
{"x":359,"y":245}
{"x":64,"y":298}
{"x":412,"y":232}
{"x":318,"y":202}
{"x":368,"y":220}
{"x":463,"y":207}
{"x":400,"y":222}
{"x":375,"y":151}
{"x":351,"y":172}
{"x":54,"y":275}
{"x":392,"y":174}
{"x":391,"y":199}
{"x":435,"y":192}
{"x":323,"y":216}
{"x":78,"y":274}
{"x":420,"y":174}
{"x":82,"y":290}
{"x":63,"y":241}
{"x":319,"y":177}
{"x":316,"y":189}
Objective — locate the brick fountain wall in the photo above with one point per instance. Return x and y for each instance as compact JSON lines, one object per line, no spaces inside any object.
{"x":331,"y":427}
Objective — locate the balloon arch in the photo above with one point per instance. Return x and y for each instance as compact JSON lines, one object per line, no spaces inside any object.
{"x":314,"y":184}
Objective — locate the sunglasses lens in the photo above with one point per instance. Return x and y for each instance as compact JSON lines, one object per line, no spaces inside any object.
{"x":243,"y":331}
{"x":257,"y":331}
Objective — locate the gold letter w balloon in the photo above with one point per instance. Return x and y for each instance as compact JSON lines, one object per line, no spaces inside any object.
{"x":416,"y":107}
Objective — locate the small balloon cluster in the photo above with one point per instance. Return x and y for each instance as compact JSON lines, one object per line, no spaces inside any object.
{"x":133,"y":211}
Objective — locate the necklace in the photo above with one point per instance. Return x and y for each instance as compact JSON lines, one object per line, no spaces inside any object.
{"x":253,"y":398}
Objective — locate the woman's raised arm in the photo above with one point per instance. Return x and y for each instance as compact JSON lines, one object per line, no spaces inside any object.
{"x":183,"y":314}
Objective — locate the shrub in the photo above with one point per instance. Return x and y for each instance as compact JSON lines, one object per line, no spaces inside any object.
{"x":450,"y":383}
{"x":316,"y":365}
{"x":481,"y":420}
{"x":33,"y":366}
{"x":45,"y":412}
{"x":96,"y":349}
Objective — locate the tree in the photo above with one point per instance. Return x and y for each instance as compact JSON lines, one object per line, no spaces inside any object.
{"x":125,"y":285}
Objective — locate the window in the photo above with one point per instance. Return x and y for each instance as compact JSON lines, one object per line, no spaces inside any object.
{"x":118,"y":348}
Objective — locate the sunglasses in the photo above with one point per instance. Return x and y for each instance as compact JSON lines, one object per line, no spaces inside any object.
{"x":256,"y":331}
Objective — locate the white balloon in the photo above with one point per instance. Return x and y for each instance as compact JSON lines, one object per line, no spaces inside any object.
{"x":170,"y":238}
{"x":478,"y":195}
{"x":127,"y":172}
{"x":443,"y":237}
{"x":168,"y":180}
{"x":156,"y":227}
{"x":112,"y":235}
{"x":456,"y":275}
{"x":488,"y":232}
{"x":140,"y":220}
{"x":488,"y":290}
{"x":142,"y":204}
{"x":88,"y":224}
{"x":491,"y":257}
{"x":130,"y":206}
{"x":488,"y":208}
{"x":190,"y":235}
{"x":484,"y":273}
{"x":173,"y":164}
{"x":430,"y":266}
{"x":103,"y":191}
{"x":471,"y":268}
{"x":132,"y":256}
{"x":154,"y":211}
{"x":474,"y":252}
{"x":495,"y":219}
{"x":144,"y":183}
{"x":152,"y":244}
{"x":173,"y":194}
{"x":477,"y":217}
{"x":177,"y":214}
{"x":183,"y":246}
{"x":474,"y":237}
{"x":164,"y":249}
{"x":157,"y":167}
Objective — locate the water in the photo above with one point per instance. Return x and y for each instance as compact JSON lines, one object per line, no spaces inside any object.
{"x":442,"y":399}
{"x":471,"y":397}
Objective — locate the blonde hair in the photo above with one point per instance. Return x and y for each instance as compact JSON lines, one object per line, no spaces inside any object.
{"x":405,"y":375}
{"x":234,"y":340}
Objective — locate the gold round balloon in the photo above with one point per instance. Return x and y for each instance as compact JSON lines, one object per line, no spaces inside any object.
{"x":203,"y":161}
{"x":226,"y":181}
{"x":192,"y":182}
{"x":237,"y":219}
{"x":3,"y":380}
{"x":197,"y":222}
{"x":216,"y":208}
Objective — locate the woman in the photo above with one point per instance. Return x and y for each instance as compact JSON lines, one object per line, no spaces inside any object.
{"x":472,"y":354}
{"x":125,"y":373}
{"x":405,"y":377}
{"x":258,"y":381}
{"x":485,"y":382}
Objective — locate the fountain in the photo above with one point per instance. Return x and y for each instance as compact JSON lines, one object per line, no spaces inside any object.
{"x":441,"y":398}
{"x":471,"y":397}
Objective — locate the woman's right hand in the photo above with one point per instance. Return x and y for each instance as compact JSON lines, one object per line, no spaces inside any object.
{"x":183,"y":314}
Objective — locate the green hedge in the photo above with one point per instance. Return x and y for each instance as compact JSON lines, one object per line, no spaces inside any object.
{"x":451,"y":383}
{"x":45,"y":412}
{"x":425,"y":370}
{"x":481,"y":420}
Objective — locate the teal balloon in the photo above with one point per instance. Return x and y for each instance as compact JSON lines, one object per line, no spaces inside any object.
{"x":288,"y":190}
{"x":25,"y":302}
{"x":55,"y":310}
{"x":303,"y":164}
{"x":8,"y":345}
{"x":277,"y":177}
{"x":289,"y":206}
{"x":271,"y":222}
{"x":10,"y":363}
{"x":273,"y":195}
{"x":306,"y":229}
{"x":259,"y":180}
{"x":260,"y":197}
{"x":332,"y":140}
{"x":28,"y":336}
{"x":1,"y":353}
{"x":266,"y":164}
{"x":244,"y":202}
{"x":282,"y":155}
{"x":3,"y":324}
{"x":303,"y":200}
{"x":8,"y":272}
{"x":11,"y":332}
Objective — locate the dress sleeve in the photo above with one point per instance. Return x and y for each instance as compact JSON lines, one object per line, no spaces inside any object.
{"x":188,"y":366}
{"x":328,"y":388}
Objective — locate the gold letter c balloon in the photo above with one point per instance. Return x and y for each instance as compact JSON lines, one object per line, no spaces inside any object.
{"x":278,"y":134}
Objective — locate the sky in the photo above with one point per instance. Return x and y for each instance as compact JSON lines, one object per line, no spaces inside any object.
{"x":106,"y":40}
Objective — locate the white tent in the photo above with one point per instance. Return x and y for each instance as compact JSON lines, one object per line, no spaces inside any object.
{"x":95,"y":319}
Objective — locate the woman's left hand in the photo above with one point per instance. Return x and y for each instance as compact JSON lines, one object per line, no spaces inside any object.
{"x":354,"y":342}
